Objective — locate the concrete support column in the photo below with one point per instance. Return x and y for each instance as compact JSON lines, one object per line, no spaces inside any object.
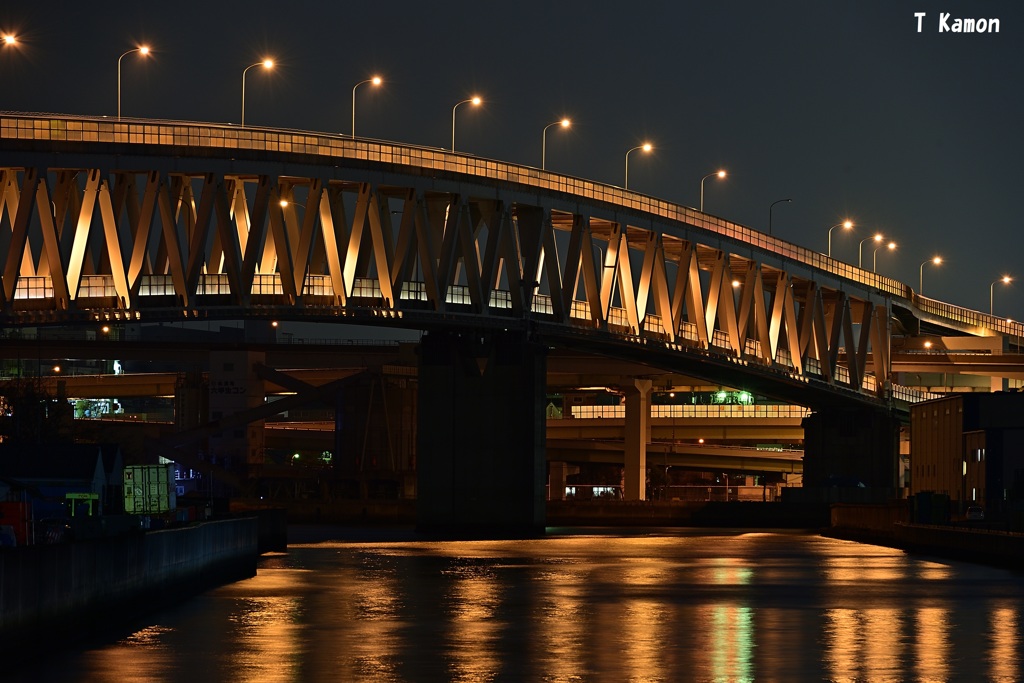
{"x":843,"y":447}
{"x":191,"y":400}
{"x":558,"y":472}
{"x":234,"y":388}
{"x":481,"y":466}
{"x":638,"y":435}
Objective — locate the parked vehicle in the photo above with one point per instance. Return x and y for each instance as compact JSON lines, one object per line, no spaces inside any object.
{"x":975,"y":513}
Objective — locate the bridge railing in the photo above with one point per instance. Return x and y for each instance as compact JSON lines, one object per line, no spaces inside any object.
{"x":912,"y":395}
{"x":34,"y":287}
{"x":694,"y":411}
{"x":154,"y":285}
{"x":969,"y":317}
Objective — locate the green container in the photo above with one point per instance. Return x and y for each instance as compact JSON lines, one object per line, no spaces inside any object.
{"x":149,"y":489}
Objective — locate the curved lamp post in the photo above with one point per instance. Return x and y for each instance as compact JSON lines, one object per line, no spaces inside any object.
{"x":874,"y":255}
{"x":564,"y":123}
{"x":777,"y":201}
{"x":475,"y":101}
{"x":376,"y":80}
{"x":845,"y":225}
{"x":142,"y":50}
{"x":1006,"y":279}
{"x":720,"y":174}
{"x":647,"y":147}
{"x":266,"y":64}
{"x":937,"y":260}
{"x":860,"y":249}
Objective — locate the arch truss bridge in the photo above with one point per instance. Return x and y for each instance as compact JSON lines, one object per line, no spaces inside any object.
{"x":136,"y":220}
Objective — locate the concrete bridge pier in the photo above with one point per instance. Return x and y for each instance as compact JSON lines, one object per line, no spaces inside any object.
{"x":558,"y":476}
{"x":481,"y":466}
{"x":843,"y":447}
{"x":638,"y":435}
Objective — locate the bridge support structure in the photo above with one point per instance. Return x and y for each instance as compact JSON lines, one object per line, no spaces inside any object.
{"x":558,"y":476}
{"x":844,"y":447}
{"x":235,"y":388}
{"x":481,"y":465}
{"x":638,"y":435}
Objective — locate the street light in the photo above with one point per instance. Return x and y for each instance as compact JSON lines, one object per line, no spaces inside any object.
{"x":284,"y":204}
{"x":937,"y":260}
{"x":777,"y":201}
{"x":720,"y":174}
{"x":475,"y":101}
{"x":845,"y":225}
{"x":647,"y":147}
{"x":10,"y":39}
{"x":1006,"y":279}
{"x":874,"y":255}
{"x":860,"y":249}
{"x":564,"y":123}
{"x":266,"y":64}
{"x":142,"y":50}
{"x":376,"y":80}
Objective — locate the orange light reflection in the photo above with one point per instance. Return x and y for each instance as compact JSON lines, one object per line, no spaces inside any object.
{"x":561,"y":625}
{"x":1005,"y":645}
{"x":932,"y":645}
{"x":473,"y":602}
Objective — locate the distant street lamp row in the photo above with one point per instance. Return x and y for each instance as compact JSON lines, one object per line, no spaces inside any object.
{"x":9,"y":39}
{"x":935,"y":260}
{"x":268,"y":64}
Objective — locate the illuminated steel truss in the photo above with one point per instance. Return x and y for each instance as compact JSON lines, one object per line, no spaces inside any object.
{"x":127,"y":242}
{"x":279,"y":224}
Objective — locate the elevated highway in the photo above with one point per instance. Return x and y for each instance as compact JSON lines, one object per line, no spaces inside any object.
{"x":104,"y":221}
{"x":136,"y":221}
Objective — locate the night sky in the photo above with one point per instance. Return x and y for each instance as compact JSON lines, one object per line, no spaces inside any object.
{"x":842,"y":106}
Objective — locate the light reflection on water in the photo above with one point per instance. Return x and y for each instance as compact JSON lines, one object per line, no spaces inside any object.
{"x":662,"y":605}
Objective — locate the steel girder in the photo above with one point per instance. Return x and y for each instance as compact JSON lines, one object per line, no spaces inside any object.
{"x":121,"y":243}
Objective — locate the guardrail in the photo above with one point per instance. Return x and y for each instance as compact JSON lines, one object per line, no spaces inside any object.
{"x":694,"y":411}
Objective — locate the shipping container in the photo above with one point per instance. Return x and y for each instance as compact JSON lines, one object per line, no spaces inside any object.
{"x":149,"y":489}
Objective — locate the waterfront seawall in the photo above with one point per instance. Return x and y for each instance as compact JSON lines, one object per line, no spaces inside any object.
{"x":890,"y":525}
{"x":52,"y":595}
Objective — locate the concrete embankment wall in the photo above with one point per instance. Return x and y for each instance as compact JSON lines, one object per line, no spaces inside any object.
{"x":368,"y":511}
{"x":749,"y":514}
{"x":1002,"y":548}
{"x":50,"y":595}
{"x":889,"y":525}
{"x":879,"y":520}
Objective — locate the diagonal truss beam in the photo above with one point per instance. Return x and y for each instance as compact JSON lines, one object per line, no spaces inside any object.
{"x":505,"y":258}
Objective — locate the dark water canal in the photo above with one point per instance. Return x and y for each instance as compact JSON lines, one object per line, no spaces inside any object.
{"x":578,"y":605}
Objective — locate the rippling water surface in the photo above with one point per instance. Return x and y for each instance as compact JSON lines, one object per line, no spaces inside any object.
{"x":581,"y":605}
